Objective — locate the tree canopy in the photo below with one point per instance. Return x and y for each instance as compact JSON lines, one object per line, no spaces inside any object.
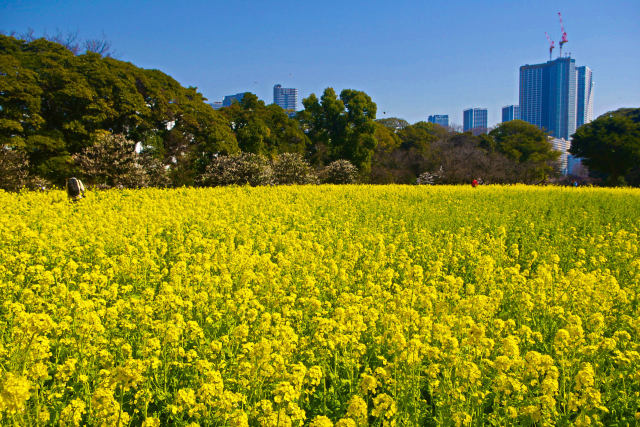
{"x":526,"y":144}
{"x":341,"y":128}
{"x":56,"y":106}
{"x":53,"y":102}
{"x":611,"y":145}
{"x":264,"y":129}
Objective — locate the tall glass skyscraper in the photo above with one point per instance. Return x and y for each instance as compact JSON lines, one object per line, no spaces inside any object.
{"x":475,"y":120}
{"x":585,"y":96}
{"x":439,"y":119}
{"x":287,"y":98}
{"x":549,"y":96}
{"x":510,"y":112}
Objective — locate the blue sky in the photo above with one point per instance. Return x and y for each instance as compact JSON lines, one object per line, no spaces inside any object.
{"x":412,"y":58}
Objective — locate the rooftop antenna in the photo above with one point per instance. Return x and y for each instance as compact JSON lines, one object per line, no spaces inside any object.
{"x":564,"y":34}
{"x":552,"y":44}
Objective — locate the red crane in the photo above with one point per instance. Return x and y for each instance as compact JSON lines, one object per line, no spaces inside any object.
{"x":552,"y":44}
{"x":564,"y":34}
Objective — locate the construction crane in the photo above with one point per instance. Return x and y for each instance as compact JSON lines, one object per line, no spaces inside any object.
{"x":552,"y":44}
{"x":564,"y":34}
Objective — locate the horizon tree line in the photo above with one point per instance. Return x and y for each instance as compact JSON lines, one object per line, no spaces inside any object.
{"x":62,"y":112}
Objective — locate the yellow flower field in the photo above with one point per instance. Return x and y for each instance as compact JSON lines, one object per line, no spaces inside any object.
{"x":321,"y":306}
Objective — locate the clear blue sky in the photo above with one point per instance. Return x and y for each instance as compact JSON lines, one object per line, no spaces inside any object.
{"x":413,"y":58}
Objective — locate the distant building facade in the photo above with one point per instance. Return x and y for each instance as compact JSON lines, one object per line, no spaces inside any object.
{"x":510,"y":112}
{"x":230,"y":99}
{"x":585,"y":96}
{"x":562,"y":145}
{"x":286,"y":97}
{"x":556,"y":96}
{"x":439,"y":119}
{"x":475,"y":120}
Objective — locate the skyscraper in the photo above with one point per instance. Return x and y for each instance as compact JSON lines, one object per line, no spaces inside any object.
{"x":510,"y":112}
{"x":475,"y":120}
{"x":230,"y":99}
{"x":549,"y":95}
{"x":561,"y":145}
{"x":585,"y":96}
{"x":439,"y":119}
{"x":287,"y":98}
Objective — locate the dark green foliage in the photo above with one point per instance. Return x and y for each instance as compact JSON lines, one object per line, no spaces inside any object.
{"x":262,"y":129}
{"x":340,"y":128}
{"x":526,"y":144}
{"x":54,"y":101}
{"x":610,"y":145}
{"x":421,"y":135}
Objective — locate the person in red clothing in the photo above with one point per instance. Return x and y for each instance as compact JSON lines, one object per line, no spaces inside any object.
{"x":474,"y":183}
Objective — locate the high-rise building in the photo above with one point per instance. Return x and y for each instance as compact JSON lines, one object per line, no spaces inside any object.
{"x":562,"y":145}
{"x":510,"y":112}
{"x":439,"y":119}
{"x":549,"y":96}
{"x":287,"y":98}
{"x":475,"y":120}
{"x":585,"y":96}
{"x":230,"y":99}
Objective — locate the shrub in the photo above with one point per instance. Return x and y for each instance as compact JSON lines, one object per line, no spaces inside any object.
{"x":14,"y":172}
{"x":430,"y":178}
{"x":292,"y":168}
{"x":339,"y":172}
{"x":111,"y":161}
{"x":241,"y":169}
{"x":14,"y":169}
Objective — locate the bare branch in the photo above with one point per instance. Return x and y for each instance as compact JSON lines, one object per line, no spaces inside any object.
{"x":68,"y":40}
{"x":101,"y":46}
{"x":28,"y":35}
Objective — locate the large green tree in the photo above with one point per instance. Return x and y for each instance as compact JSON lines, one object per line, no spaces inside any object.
{"x":54,"y":101}
{"x":264,"y":129}
{"x":341,"y":128}
{"x":526,"y":144}
{"x":611,"y":145}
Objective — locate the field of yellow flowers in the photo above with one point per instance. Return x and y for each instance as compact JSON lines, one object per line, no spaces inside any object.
{"x":321,"y":306}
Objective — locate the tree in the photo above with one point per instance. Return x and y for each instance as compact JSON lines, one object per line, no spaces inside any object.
{"x":265,"y":130}
{"x":359,"y":142}
{"x":53,"y":102}
{"x":407,"y":154}
{"x":386,"y":138}
{"x":462,"y":159}
{"x":421,"y":135}
{"x":340,"y":128}
{"x":610,"y":145}
{"x":526,"y":144}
